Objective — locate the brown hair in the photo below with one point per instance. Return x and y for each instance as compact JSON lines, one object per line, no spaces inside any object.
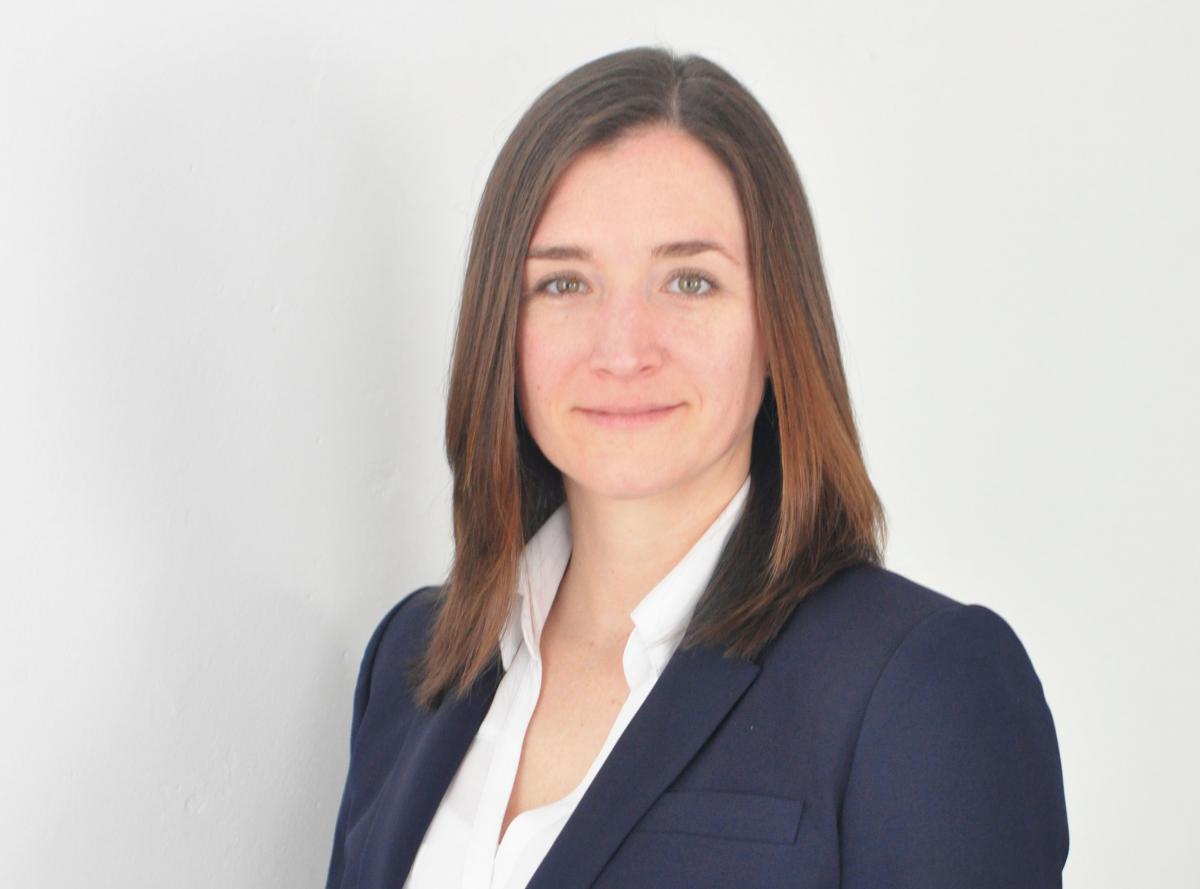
{"x":811,"y":509}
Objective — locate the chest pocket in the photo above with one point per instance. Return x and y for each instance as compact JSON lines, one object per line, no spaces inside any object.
{"x":735,"y":816}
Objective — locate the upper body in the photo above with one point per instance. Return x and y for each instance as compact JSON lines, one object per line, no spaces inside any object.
{"x":645,"y":321}
{"x":889,"y":736}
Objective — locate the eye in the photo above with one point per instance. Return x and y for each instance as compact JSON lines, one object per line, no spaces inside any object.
{"x":693,"y":283}
{"x":561,"y":285}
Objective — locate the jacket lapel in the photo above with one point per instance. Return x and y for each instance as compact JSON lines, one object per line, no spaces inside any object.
{"x":426,"y":763}
{"x":697,"y":688}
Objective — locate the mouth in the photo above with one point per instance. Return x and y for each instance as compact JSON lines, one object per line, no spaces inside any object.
{"x":625,"y":417}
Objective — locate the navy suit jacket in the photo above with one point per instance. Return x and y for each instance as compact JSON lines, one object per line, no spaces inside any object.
{"x":890,"y":737}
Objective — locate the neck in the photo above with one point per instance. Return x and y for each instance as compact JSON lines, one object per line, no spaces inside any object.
{"x":622,"y":547}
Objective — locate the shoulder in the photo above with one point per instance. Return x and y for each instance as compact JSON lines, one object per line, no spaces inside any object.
{"x":926,"y":644}
{"x":955,"y":776}
{"x":853,"y":622}
{"x":872,"y":612}
{"x":887,"y":661}
{"x":879,"y":597}
{"x":932,"y":732}
{"x":381,"y":688}
{"x":878,"y":632}
{"x":404,"y":625}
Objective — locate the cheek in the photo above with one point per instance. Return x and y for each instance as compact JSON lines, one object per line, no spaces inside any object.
{"x":727,"y":364}
{"x":541,"y":364}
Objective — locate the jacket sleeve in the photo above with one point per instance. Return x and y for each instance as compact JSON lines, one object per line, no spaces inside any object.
{"x":956,"y":779}
{"x":362,"y":692}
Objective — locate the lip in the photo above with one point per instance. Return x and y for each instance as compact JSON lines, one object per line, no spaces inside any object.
{"x":621,"y":417}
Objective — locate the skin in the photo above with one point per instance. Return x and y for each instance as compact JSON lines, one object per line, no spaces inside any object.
{"x":626,"y":327}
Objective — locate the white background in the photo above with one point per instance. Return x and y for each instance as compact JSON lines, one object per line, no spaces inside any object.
{"x":232,"y":239}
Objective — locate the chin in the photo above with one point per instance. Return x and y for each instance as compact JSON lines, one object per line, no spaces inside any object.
{"x":639,"y":478}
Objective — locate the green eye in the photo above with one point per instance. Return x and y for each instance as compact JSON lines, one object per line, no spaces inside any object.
{"x":566,"y":284}
{"x":693,"y":283}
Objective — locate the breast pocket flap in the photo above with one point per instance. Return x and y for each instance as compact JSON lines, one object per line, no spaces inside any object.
{"x":738,"y":816}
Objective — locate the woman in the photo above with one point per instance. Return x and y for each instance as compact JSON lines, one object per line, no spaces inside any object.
{"x":667,"y":653}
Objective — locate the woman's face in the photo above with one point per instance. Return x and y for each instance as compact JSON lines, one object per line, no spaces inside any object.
{"x":637,"y":294}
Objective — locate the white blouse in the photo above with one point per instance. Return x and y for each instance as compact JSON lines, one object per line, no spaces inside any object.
{"x":460,"y":847}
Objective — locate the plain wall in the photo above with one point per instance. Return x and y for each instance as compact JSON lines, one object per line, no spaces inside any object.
{"x":231,"y":243}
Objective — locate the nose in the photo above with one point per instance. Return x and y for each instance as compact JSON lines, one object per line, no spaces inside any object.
{"x":626,"y":335}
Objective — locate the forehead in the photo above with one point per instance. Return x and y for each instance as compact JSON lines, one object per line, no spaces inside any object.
{"x":654,"y":184}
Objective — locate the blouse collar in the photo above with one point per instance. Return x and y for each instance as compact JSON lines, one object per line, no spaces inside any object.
{"x":660,"y":617}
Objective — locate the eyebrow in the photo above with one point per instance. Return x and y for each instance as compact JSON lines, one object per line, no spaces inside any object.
{"x":672,"y":248}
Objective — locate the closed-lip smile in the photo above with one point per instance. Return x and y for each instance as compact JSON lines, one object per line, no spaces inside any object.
{"x":627,"y":409}
{"x":628,"y":416}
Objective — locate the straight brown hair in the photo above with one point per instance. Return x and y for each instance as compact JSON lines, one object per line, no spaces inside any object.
{"x":811,"y":509}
